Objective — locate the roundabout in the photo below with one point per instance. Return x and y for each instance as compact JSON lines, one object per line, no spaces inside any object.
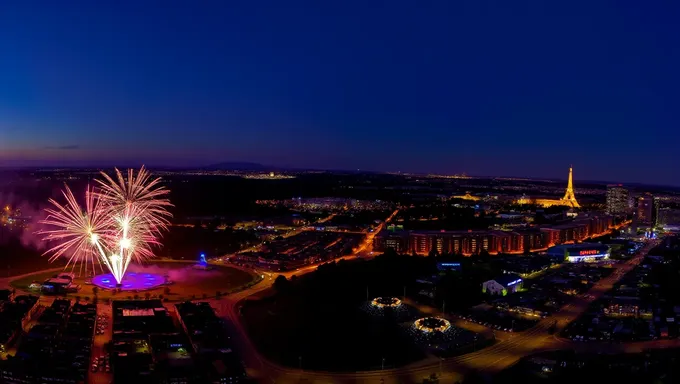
{"x":386,"y":302}
{"x":432,"y":324}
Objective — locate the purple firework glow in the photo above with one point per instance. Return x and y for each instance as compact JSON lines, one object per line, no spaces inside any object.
{"x":132,"y":281}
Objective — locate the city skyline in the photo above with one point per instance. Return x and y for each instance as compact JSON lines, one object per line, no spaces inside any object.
{"x":257,"y":170}
{"x":448,"y":89}
{"x":348,"y":192}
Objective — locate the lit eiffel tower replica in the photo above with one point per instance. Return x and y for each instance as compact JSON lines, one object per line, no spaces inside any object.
{"x":569,"y":197}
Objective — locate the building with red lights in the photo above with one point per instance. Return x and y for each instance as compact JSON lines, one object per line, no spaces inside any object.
{"x":584,"y":252}
{"x":493,"y":241}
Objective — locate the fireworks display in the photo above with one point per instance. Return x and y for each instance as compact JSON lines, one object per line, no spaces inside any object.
{"x":123,"y":218}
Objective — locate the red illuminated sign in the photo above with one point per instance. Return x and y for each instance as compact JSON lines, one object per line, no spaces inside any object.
{"x":589,"y":252}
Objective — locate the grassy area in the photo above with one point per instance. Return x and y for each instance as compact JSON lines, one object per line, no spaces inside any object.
{"x":326,"y":336}
{"x":17,"y":259}
{"x":316,"y":321}
{"x":188,"y":283}
{"x":24,"y":282}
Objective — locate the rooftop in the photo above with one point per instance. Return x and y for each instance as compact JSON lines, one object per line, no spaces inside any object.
{"x":507,"y":279}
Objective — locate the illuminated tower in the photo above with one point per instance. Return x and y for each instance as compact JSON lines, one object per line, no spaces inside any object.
{"x":569,"y":196}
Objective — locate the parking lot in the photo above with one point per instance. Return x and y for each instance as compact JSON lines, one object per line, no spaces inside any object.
{"x":100,"y":366}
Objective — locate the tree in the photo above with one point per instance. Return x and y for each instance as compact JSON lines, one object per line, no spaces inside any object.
{"x":281,"y":284}
{"x":147,"y":295}
{"x":95,"y":290}
{"x":166,"y":290}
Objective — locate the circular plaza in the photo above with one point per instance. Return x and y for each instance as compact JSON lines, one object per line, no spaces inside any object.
{"x":386,"y":302}
{"x":432,"y":324}
{"x":171,"y":280}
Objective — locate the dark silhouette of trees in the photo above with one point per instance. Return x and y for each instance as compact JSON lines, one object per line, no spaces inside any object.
{"x":281,"y":284}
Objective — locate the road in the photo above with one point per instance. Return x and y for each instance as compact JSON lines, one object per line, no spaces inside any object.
{"x":507,"y":351}
{"x":98,"y":346}
{"x":294,"y":232}
{"x":495,"y":358}
{"x":225,"y":307}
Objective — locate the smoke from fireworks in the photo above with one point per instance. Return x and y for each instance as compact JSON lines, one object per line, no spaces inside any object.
{"x":123,"y":218}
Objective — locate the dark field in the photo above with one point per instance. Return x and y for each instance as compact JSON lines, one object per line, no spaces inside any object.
{"x":319,"y":317}
{"x":326,"y":335}
{"x":16,"y":259}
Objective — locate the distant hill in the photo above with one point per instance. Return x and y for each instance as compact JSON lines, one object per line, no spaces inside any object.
{"x":239,"y":166}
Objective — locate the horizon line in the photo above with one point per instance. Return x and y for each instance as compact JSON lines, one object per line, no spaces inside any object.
{"x":299,"y":169}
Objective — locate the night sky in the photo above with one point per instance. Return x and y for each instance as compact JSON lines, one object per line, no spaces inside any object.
{"x":514,"y":88}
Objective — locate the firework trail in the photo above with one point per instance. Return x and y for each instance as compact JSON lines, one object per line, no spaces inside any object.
{"x":138,"y":205}
{"x":122,"y":219}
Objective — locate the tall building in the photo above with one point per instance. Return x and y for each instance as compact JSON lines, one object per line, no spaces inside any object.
{"x":617,"y":200}
{"x":569,"y":197}
{"x":494,"y":242}
{"x":645,"y":210}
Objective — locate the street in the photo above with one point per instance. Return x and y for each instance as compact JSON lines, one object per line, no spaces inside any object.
{"x":507,"y":351}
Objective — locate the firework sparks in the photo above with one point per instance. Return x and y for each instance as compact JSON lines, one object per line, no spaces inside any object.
{"x":122,"y":219}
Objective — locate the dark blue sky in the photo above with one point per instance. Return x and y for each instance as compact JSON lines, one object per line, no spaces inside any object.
{"x":485,"y":87}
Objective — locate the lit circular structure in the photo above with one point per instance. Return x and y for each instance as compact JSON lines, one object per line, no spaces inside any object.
{"x":386,"y":302}
{"x":132,"y":281}
{"x":432,"y":324}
